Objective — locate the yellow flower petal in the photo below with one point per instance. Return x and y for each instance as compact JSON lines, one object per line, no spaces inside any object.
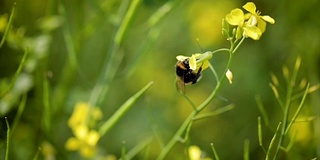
{"x":250,"y":7}
{"x":235,"y":17}
{"x":252,"y":32}
{"x":253,"y":20}
{"x":93,"y":138}
{"x":194,"y":153}
{"x":81,"y":132}
{"x":181,"y":57}
{"x":205,"y":65}
{"x":73,"y":144}
{"x":193,"y":62}
{"x":262,"y":25}
{"x":88,"y":151}
{"x":79,"y":114}
{"x":268,"y":19}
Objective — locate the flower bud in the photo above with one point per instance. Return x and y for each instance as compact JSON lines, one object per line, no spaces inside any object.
{"x":229,"y":75}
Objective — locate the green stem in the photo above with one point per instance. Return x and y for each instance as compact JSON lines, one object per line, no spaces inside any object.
{"x":8,"y":139}
{"x":122,"y":110}
{"x":16,"y":74}
{"x":8,"y":25}
{"x":112,"y":63}
{"x":299,"y":109}
{"x":193,"y":114}
{"x":238,"y":45}
{"x":287,"y":108}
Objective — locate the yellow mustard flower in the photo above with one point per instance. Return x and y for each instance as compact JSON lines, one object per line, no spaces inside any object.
{"x":250,"y":24}
{"x":237,"y":18}
{"x":48,"y":151}
{"x":3,"y":22}
{"x":254,"y":18}
{"x":85,"y":139}
{"x":197,"y":60}
{"x":195,"y":153}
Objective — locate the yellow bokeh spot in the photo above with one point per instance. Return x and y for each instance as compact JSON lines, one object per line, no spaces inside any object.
{"x":3,"y":22}
{"x":194,"y":153}
{"x":205,"y":21}
{"x":302,"y":133}
{"x":85,"y":138}
{"x":72,"y":144}
{"x":87,"y":151}
{"x":48,"y":150}
{"x":79,"y":115}
{"x":93,"y":138}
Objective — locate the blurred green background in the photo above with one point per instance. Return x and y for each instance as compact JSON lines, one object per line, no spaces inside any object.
{"x":70,"y":41}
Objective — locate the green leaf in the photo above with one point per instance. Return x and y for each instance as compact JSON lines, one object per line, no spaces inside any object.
{"x":122,"y":110}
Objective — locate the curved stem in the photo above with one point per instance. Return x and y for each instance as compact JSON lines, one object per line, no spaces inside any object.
{"x":238,"y":45}
{"x":198,"y":109}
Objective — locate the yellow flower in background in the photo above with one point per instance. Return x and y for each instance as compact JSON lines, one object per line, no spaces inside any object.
{"x":250,"y":24}
{"x":195,"y":153}
{"x":302,"y":132}
{"x":79,"y":115}
{"x":3,"y":22}
{"x":254,"y":18}
{"x":83,"y":113}
{"x":205,"y":19}
{"x":48,"y":151}
{"x":85,"y":139}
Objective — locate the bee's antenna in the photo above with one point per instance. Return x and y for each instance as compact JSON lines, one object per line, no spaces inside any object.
{"x":198,"y":43}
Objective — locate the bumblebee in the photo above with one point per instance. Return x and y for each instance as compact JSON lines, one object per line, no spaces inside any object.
{"x":185,"y":75}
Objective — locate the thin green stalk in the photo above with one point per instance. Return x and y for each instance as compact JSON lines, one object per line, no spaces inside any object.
{"x":216,"y":156}
{"x":111,"y":64}
{"x":216,"y":112}
{"x":298,"y":110}
{"x":273,"y":143}
{"x":189,"y":100}
{"x":260,"y":135}
{"x":20,"y":111}
{"x":238,"y":45}
{"x":122,"y":110}
{"x":193,"y":114}
{"x":158,"y":138}
{"x":176,"y":137}
{"x":246,"y":152}
{"x":262,"y":110}
{"x":138,"y":148}
{"x":17,"y":73}
{"x":289,"y":92}
{"x":123,"y":151}
{"x":186,"y":137}
{"x":47,"y":112}
{"x":8,"y":25}
{"x":37,"y":154}
{"x":8,"y":138}
{"x":214,"y":73}
{"x":69,"y":69}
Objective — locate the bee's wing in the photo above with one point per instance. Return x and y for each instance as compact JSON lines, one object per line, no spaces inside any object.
{"x":180,"y":85}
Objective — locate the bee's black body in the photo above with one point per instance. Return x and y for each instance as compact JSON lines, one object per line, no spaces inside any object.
{"x":187,"y":75}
